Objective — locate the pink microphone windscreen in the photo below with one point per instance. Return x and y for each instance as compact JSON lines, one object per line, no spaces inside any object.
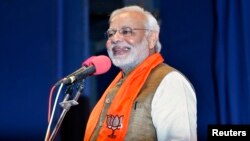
{"x":88,"y":62}
{"x":102,"y":63}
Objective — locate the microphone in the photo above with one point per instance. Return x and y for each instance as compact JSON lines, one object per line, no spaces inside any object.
{"x":94,"y":65}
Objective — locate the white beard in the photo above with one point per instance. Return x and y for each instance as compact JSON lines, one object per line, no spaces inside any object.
{"x":137,"y":54}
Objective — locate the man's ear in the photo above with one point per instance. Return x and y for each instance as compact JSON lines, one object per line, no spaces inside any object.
{"x":152,"y":39}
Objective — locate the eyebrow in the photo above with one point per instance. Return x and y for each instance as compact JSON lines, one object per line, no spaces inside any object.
{"x":121,"y":27}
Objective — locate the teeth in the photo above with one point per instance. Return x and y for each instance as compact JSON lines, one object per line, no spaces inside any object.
{"x":124,"y":48}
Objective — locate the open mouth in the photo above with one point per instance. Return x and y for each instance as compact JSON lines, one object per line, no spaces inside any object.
{"x":118,"y":51}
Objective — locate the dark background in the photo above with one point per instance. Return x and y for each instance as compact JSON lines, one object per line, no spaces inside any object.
{"x":43,"y":41}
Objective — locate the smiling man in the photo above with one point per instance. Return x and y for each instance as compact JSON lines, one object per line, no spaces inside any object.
{"x":148,"y":99}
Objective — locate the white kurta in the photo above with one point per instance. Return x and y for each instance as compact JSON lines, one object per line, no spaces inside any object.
{"x":174,"y":111}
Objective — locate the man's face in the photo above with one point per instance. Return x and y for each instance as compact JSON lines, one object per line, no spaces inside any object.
{"x":127,"y":49}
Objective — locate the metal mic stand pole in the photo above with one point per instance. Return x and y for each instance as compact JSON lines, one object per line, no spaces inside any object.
{"x":66,"y":105}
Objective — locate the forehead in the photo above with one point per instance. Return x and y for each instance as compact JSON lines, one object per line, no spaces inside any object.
{"x":130,"y":19}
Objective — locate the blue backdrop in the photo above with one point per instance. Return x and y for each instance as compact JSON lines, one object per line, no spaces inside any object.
{"x":42,"y":41}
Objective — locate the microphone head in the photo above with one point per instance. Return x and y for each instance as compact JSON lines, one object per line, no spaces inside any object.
{"x":102,"y":64}
{"x":88,"y":62}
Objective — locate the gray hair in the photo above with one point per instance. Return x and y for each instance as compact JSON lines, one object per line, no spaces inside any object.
{"x":151,"y":22}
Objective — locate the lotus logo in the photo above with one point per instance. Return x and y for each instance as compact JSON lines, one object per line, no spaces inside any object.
{"x":114,"y":123}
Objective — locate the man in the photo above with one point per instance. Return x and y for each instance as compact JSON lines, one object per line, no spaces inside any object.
{"x":148,"y":100}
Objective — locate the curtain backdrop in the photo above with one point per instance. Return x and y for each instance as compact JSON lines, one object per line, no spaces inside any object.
{"x":232,"y":61}
{"x":209,"y":41}
{"x":40,"y":42}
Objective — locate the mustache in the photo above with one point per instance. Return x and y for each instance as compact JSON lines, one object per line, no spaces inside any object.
{"x":120,"y":46}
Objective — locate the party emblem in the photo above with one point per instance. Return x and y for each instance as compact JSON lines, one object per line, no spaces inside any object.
{"x":114,"y":123}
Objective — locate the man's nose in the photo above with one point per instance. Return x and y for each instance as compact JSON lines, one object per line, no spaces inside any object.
{"x":117,"y":37}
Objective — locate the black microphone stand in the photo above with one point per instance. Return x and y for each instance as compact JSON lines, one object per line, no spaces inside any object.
{"x":66,"y":105}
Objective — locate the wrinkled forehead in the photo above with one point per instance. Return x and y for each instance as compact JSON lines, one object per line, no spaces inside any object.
{"x":128,"y":19}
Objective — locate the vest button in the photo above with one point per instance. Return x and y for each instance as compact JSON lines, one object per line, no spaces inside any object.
{"x":119,"y":83}
{"x":107,"y":100}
